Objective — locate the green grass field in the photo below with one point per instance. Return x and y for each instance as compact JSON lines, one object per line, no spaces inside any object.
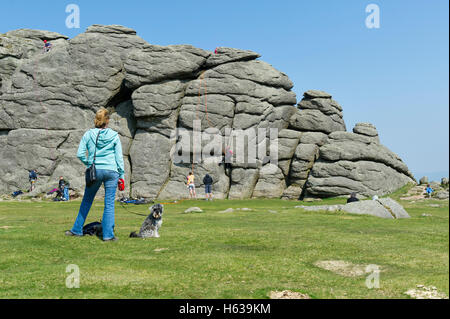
{"x":221,"y":255}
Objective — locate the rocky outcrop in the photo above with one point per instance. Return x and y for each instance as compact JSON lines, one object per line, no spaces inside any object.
{"x":318,"y":113}
{"x":368,"y":130}
{"x":383,"y":207}
{"x":48,"y":99}
{"x":352,"y":162}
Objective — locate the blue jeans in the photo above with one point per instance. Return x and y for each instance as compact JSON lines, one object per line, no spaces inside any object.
{"x":110,"y":179}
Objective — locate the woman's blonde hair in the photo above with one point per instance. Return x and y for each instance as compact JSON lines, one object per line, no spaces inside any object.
{"x":101,"y":118}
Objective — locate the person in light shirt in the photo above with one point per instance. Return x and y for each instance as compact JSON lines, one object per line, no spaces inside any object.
{"x":191,"y":185}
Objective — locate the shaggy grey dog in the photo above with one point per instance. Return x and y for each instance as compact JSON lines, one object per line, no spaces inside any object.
{"x":151,"y":224}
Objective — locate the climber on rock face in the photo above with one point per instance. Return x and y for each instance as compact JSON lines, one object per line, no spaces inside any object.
{"x":47,"y":46}
{"x":227,"y":159}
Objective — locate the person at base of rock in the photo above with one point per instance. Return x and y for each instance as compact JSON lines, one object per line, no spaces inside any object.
{"x":207,"y":180}
{"x":429,"y":190}
{"x":191,"y":185}
{"x":61,"y":184}
{"x":47,"y":46}
{"x":227,"y":159}
{"x":352,"y":198}
{"x":63,"y":189}
{"x":32,"y":176}
{"x":106,"y":145}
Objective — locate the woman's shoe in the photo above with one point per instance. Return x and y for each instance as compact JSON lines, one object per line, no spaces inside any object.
{"x":69,"y":233}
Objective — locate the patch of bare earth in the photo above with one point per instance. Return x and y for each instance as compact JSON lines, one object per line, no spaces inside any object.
{"x":287,"y":294}
{"x":422,"y":292}
{"x":415,"y":197}
{"x":343,"y":268}
{"x":8,"y":227}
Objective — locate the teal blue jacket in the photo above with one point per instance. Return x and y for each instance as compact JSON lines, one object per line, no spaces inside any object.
{"x":109,"y":150}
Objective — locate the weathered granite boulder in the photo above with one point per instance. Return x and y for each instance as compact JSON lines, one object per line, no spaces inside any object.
{"x":243,"y":183}
{"x":352,"y":162}
{"x":442,"y":195}
{"x":384,"y":208}
{"x":367,"y":207}
{"x":20,"y":45}
{"x":156,"y":93}
{"x":326,"y":208}
{"x":318,"y":113}
{"x":367,"y":129}
{"x":271,"y":182}
{"x":226,"y":55}
{"x":153,"y":63}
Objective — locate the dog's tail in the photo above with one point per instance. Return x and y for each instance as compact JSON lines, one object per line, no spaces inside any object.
{"x":134,"y":235}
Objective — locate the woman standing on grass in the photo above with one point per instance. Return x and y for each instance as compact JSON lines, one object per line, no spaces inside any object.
{"x":109,"y":168}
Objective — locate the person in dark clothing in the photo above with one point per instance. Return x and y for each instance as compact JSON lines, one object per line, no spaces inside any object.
{"x":207,"y":180}
{"x":63,"y":189}
{"x":33,"y":178}
{"x":61,"y":184}
{"x":352,"y":198}
{"x":227,"y":159}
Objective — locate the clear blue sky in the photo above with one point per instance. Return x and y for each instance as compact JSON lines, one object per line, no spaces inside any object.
{"x":395,"y":77}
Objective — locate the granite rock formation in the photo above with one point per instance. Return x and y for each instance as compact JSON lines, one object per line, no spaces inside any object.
{"x":48,"y":99}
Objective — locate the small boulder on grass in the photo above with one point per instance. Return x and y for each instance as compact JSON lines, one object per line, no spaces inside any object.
{"x":442,"y":195}
{"x":193,"y":210}
{"x":228,"y":210}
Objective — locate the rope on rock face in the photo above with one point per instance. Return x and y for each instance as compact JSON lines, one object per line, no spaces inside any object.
{"x":39,"y":97}
{"x":206,"y":99}
{"x":202,"y":85}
